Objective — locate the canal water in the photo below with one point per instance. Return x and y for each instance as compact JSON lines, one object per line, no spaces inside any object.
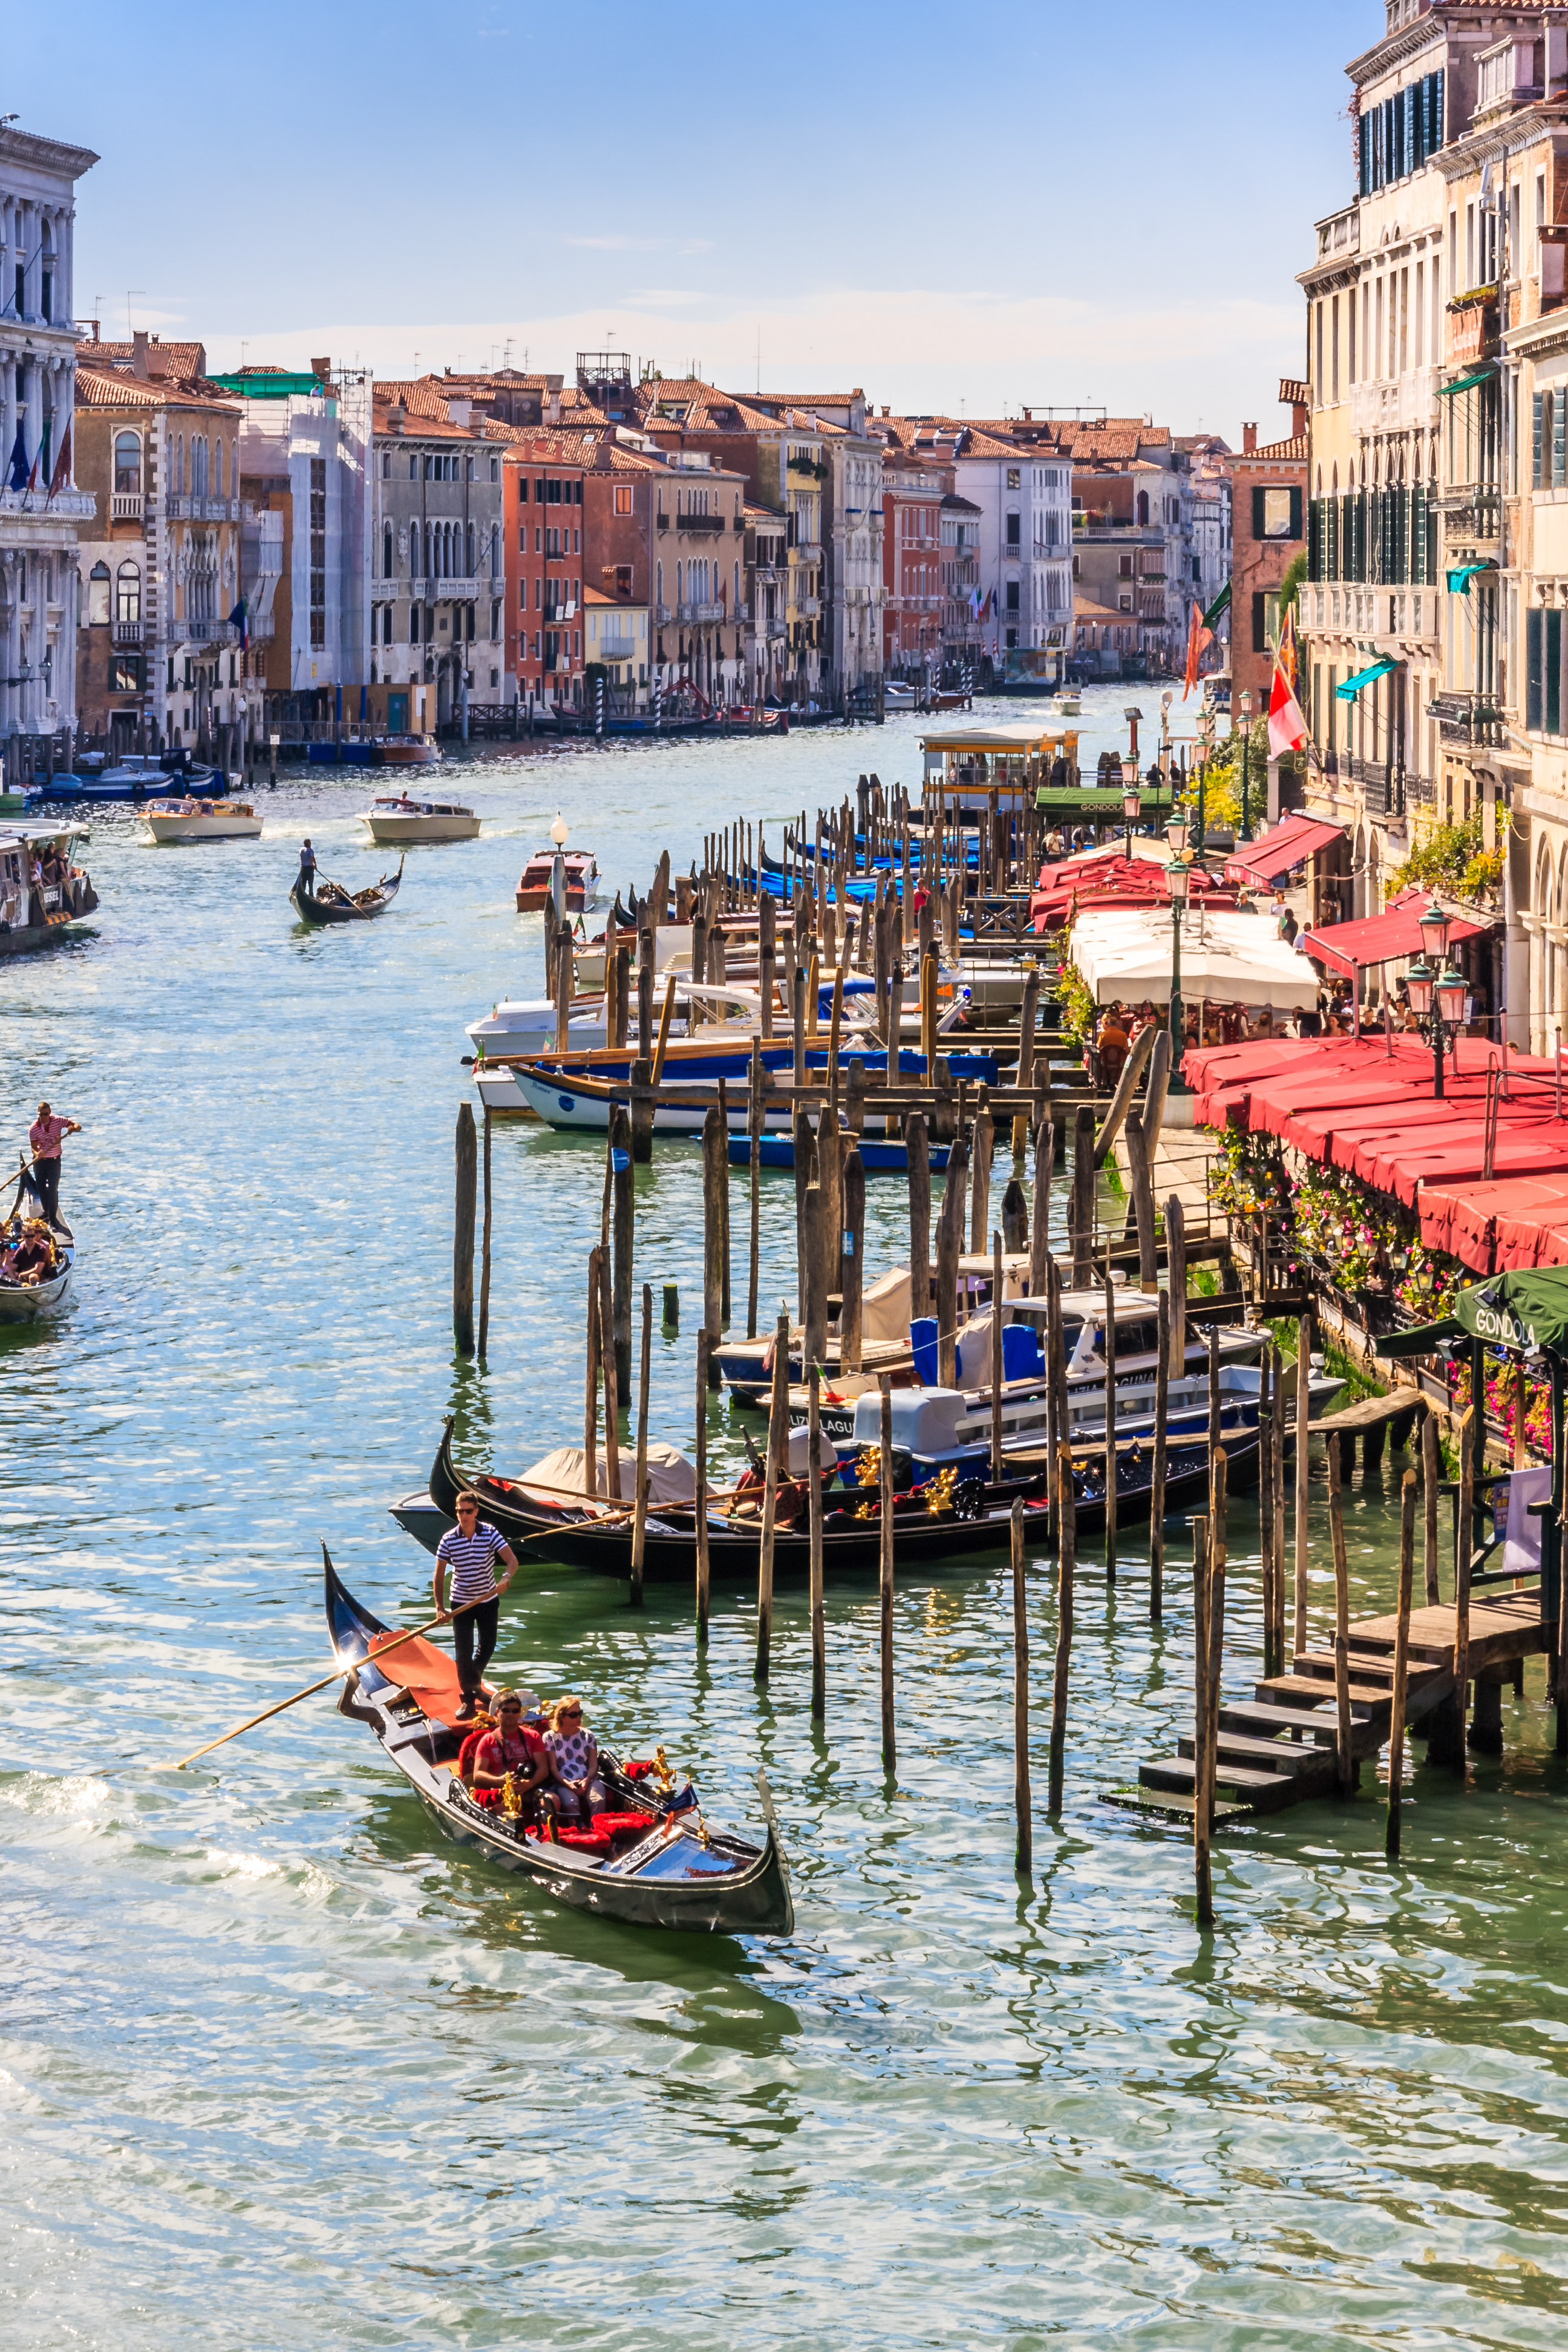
{"x":281,"y":2070}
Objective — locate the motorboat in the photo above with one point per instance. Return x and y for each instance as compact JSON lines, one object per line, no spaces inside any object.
{"x":397,"y":819}
{"x":198,"y":819}
{"x":581,"y":879}
{"x":1067,"y":702}
{"x":405,"y":752}
{"x":32,"y":914}
{"x":131,"y":778}
{"x":897,"y":694}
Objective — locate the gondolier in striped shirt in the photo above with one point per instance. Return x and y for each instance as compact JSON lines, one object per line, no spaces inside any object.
{"x":470,"y":1550}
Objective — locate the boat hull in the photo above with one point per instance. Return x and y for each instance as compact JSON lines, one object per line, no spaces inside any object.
{"x":204,"y":828}
{"x":30,"y":1303}
{"x":321,"y":914}
{"x":398,"y":832}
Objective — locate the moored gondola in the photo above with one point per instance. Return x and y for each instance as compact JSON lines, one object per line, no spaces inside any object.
{"x":660,"y":1866}
{"x":331,"y":903}
{"x":934,"y":1527}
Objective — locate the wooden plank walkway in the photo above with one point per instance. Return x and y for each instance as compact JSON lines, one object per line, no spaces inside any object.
{"x":1278,"y":1747}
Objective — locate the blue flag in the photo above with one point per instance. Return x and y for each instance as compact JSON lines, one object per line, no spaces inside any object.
{"x":241,"y":619}
{"x":16,"y":477}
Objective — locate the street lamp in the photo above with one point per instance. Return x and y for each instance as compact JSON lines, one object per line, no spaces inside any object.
{"x":1176,"y":835}
{"x":558,"y":830}
{"x":1177,"y":878}
{"x":1436,"y":990}
{"x":1246,"y":751}
{"x":1131,"y":801}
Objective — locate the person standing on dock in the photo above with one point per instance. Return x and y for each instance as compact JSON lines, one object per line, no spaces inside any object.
{"x":46,"y":1135}
{"x":470,"y":1550}
{"x":307,"y":870}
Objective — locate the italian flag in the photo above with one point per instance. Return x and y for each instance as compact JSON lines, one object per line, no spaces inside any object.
{"x":1287,"y":728}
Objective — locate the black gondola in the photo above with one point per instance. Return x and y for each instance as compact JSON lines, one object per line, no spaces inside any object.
{"x":674,"y":1873}
{"x":979,"y":1520}
{"x":331,"y":903}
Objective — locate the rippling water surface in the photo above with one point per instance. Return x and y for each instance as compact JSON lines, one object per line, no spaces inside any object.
{"x":281,"y":2070}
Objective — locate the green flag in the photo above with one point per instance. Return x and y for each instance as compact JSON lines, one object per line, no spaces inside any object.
{"x":1221,"y":605}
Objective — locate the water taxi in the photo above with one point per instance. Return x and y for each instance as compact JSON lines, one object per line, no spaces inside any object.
{"x":195,"y":819}
{"x":397,"y":819}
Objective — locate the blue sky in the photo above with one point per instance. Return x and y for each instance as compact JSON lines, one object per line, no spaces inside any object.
{"x":1046,"y":205}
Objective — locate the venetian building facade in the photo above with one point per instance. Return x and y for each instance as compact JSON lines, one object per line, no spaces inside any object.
{"x":40,"y":506}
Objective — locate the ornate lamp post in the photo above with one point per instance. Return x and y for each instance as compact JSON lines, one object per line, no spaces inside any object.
{"x":1246,"y":752}
{"x":1437,"y":991}
{"x":1131,"y":801}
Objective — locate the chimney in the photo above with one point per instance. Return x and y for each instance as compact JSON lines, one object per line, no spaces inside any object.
{"x":1248,"y":438}
{"x":95,"y":330}
{"x":139,"y":353}
{"x":1298,"y":420}
{"x":322,"y":371}
{"x":552,"y":406}
{"x":1028,"y":415}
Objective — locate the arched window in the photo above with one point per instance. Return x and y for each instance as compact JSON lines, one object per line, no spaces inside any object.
{"x":1143,"y":507}
{"x":98,"y":596}
{"x":128,"y":593}
{"x":469,"y":571}
{"x":386,"y":551}
{"x":127,"y":463}
{"x":47,"y":275}
{"x":179,"y":462}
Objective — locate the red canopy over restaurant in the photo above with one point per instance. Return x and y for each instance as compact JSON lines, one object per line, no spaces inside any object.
{"x":1383,"y":938}
{"x":1271,"y":857}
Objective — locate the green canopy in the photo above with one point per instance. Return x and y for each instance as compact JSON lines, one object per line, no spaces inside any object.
{"x":1461,"y":575}
{"x":1352,"y":686}
{"x":1466,"y":382}
{"x":1527,"y":1308}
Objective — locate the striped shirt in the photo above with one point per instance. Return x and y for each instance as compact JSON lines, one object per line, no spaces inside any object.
{"x":470,"y":1559}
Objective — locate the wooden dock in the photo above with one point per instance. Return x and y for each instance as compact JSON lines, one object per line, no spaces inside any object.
{"x":1279,"y":1748}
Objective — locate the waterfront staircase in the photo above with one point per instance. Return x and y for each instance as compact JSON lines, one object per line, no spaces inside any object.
{"x":1278,"y":1748}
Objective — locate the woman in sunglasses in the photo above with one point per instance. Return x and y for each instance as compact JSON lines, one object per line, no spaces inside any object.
{"x":574,"y":1762}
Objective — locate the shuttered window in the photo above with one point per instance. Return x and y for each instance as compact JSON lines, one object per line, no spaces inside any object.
{"x":1553,"y":720}
{"x":1535,"y":407}
{"x":1559,"y":443}
{"x":1533,"y":634}
{"x":1418,"y":535}
{"x":1259,"y":622}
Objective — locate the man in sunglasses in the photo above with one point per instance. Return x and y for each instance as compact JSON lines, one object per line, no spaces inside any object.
{"x":470,"y":1550}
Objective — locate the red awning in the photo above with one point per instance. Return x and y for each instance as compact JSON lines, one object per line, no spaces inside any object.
{"x":1520,"y":1221}
{"x":1268,"y":859}
{"x":1351,"y":948}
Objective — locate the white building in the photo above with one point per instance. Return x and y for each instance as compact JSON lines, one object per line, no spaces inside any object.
{"x":40,"y":506}
{"x":1025,"y":546}
{"x":308,"y":457}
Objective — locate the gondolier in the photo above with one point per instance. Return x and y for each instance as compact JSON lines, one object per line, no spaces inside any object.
{"x":470,"y":1550}
{"x":306,"y":884}
{"x":45,"y":1135}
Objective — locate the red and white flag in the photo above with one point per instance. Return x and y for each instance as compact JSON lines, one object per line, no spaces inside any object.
{"x":1198,"y":638}
{"x":1287,"y":728}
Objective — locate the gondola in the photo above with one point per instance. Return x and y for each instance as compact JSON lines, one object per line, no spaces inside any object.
{"x":663,"y":1869}
{"x":978,"y":1517}
{"x":331,"y":903}
{"x":26,"y":1302}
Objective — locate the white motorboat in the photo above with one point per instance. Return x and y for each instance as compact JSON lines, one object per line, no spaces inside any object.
{"x":194,"y":819}
{"x":897,"y":694}
{"x":1067,"y":703}
{"x":397,"y":819}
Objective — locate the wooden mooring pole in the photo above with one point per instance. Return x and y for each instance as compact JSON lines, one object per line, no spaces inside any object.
{"x":1431,"y":1478}
{"x":885,"y":1578}
{"x":485,"y":1250}
{"x":818,"y":1614}
{"x":463,"y":1233}
{"x":1346,"y":1760}
{"x":1401,"y":1661}
{"x":1303,"y":1472}
{"x":778,"y":1439}
{"x":1202,"y":1810}
{"x":700,"y":1500}
{"x":639,"y":1493}
{"x":1157,"y":1475}
{"x":1023,"y":1852}
{"x":1066,"y":1563}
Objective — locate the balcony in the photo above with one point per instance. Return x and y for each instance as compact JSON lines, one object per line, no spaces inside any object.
{"x":1339,"y":234}
{"x":180,"y":509}
{"x":125,"y":506}
{"x":699,"y":522}
{"x":127,"y":635}
{"x":1382,"y":788}
{"x":692,"y":615}
{"x":1473,"y":514}
{"x":616,"y":649}
{"x":809,"y":607}
{"x":202,"y":632}
{"x":1397,"y":403}
{"x":1469,"y":721}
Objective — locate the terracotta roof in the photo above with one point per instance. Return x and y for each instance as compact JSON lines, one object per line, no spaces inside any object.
{"x":699,"y":407}
{"x":764,"y":514}
{"x":111,"y":388}
{"x":811,"y":399}
{"x":1276,"y":453}
{"x":1294,"y":392}
{"x":1083,"y":609}
{"x":180,"y":359}
{"x":421,"y":395}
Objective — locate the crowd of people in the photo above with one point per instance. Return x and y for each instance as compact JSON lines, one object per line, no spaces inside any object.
{"x":29,"y":1253}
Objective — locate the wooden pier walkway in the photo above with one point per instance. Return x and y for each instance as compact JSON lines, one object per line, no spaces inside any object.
{"x":1282,"y":1747}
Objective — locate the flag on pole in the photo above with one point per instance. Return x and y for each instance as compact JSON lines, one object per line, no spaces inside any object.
{"x":16,"y":472}
{"x":1287,"y":657}
{"x":241,"y":619}
{"x":1287,"y":728}
{"x":62,"y":472}
{"x":1221,"y":605}
{"x":1198,"y":636}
